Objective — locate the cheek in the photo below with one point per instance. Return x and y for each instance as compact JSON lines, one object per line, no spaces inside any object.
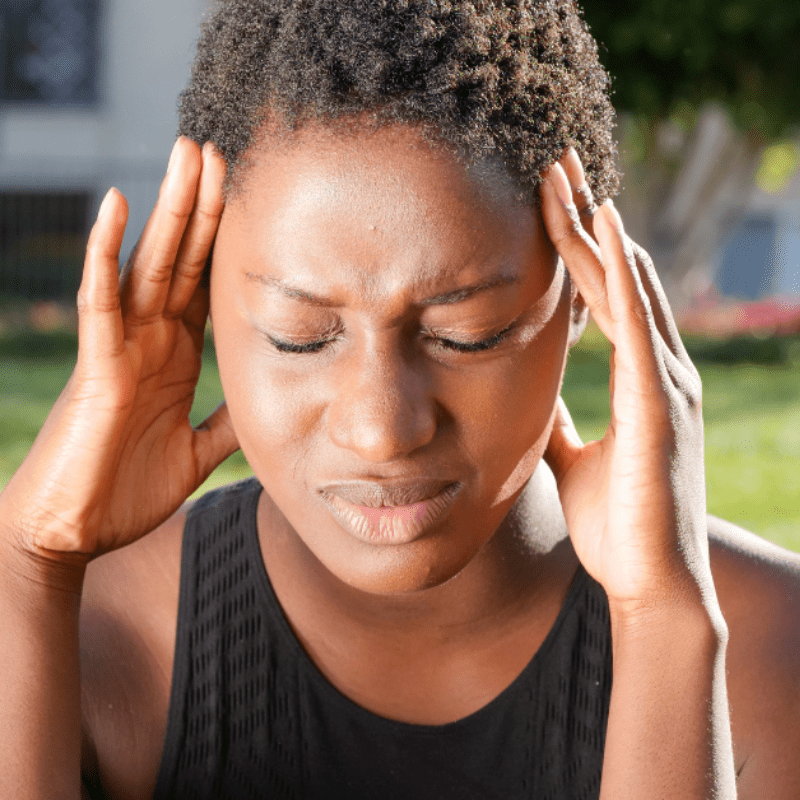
{"x":506,"y":415}
{"x":272,"y":412}
{"x":273,"y":416}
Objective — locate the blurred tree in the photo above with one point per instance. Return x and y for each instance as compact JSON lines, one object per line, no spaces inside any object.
{"x":704,"y":87}
{"x":668,"y":57}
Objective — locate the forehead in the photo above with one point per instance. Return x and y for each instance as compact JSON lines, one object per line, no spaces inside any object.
{"x":389,"y":200}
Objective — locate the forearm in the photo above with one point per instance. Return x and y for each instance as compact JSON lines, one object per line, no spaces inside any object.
{"x":40,"y":730}
{"x":668,"y":726}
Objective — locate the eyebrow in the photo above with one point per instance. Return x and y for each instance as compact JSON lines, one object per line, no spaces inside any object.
{"x":448,"y":298}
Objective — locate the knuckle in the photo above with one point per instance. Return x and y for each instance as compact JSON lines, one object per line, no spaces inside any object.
{"x":177,"y":212}
{"x":189,"y":267}
{"x":86,"y":304}
{"x":97,"y":250}
{"x":208,"y":213}
{"x":568,"y":232}
{"x":693,"y":391}
{"x":174,"y":209}
{"x":585,"y":200}
{"x":640,"y":319}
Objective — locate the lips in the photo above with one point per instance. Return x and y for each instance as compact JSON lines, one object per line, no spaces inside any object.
{"x":390,"y":514}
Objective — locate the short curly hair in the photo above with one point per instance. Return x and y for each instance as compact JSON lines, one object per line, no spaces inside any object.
{"x":514,"y":79}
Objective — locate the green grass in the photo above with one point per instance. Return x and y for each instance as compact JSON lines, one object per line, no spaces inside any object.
{"x":751,"y":406}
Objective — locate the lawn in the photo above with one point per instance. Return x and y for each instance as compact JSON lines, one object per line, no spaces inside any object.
{"x":751,"y":407}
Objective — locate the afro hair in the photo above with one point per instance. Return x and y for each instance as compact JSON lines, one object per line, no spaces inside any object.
{"x":517,"y":80}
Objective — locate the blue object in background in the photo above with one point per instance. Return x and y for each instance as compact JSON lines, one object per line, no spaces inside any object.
{"x":761,"y":258}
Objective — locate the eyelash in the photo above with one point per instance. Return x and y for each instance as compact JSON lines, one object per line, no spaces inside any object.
{"x":448,"y":344}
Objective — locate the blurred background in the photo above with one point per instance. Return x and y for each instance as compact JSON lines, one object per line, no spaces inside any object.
{"x":709,"y":131}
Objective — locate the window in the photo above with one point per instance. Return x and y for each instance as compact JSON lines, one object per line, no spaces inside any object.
{"x":48,"y":51}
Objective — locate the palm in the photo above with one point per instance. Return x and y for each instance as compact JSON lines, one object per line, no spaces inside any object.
{"x":152,"y":464}
{"x":634,"y":502}
{"x":118,"y":455}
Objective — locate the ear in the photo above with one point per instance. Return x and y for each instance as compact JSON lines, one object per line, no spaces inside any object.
{"x":579,"y":313}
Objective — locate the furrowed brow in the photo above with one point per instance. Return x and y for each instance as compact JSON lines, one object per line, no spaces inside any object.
{"x":459,"y":295}
{"x":289,"y":291}
{"x":448,"y":298}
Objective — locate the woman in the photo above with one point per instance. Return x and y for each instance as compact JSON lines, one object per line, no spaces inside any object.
{"x":426,"y":597}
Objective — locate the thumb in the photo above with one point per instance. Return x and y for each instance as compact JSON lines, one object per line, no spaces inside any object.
{"x":215,"y":441}
{"x":565,"y":445}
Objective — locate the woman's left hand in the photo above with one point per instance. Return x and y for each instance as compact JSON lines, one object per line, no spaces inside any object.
{"x":635,"y":500}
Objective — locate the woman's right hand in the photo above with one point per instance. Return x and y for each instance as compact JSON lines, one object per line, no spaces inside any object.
{"x":117,"y":455}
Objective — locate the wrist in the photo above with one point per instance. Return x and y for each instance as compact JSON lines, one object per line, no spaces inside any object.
{"x":22,"y":559}
{"x":24,"y":569}
{"x":684,"y":597}
{"x":680,"y":622}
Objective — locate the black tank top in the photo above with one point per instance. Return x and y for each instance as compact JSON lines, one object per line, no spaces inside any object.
{"x":252,"y":718}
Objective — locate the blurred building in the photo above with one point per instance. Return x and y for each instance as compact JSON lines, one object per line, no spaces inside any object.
{"x":724,"y":232}
{"x":88,"y":93}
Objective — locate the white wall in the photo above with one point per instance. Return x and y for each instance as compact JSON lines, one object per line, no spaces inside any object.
{"x":146,"y":47}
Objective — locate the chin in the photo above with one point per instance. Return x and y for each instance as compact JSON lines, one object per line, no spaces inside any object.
{"x":402,"y":569}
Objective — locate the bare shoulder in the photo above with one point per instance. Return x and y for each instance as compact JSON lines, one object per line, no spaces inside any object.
{"x":752,"y":574}
{"x":128,"y":621}
{"x":758,"y":585}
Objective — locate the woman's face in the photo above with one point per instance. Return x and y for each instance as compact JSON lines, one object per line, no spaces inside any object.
{"x":391,"y":331}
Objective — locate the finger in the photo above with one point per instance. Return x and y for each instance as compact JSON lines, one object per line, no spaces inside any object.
{"x":195,"y":317}
{"x":148,"y":275}
{"x":662,"y":313}
{"x":565,"y":445}
{"x":199,"y":235}
{"x":100,"y":330}
{"x":584,"y":201}
{"x":636,"y":338}
{"x":582,"y":196}
{"x":215,"y":441}
{"x":581,"y":254}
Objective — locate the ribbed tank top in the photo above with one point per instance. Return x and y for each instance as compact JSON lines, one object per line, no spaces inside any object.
{"x":252,"y":718}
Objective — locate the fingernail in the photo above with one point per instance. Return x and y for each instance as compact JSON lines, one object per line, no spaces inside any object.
{"x":572,"y":155}
{"x":561,"y":185}
{"x":613,"y":217}
{"x":173,"y":155}
{"x":105,"y":205}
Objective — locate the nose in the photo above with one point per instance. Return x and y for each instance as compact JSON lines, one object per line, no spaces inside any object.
{"x":382,"y":409}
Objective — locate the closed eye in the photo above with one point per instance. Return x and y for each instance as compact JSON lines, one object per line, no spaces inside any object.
{"x":473,"y":347}
{"x":295,"y":347}
{"x":450,"y":344}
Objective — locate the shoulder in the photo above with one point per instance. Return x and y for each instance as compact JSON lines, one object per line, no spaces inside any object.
{"x":758,"y":586}
{"x":753,"y":575}
{"x":129,"y":616}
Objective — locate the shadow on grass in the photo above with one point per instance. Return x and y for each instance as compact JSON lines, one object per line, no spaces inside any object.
{"x":38,"y":345}
{"x":774,"y":350}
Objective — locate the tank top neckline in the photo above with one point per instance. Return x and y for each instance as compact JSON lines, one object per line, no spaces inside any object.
{"x":338,"y":698}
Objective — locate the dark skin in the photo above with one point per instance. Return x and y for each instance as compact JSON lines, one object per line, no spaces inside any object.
{"x":427,"y":630}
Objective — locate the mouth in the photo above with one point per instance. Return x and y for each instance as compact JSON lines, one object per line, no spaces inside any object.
{"x":390,"y":514}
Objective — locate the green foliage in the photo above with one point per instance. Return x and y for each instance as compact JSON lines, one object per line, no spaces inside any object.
{"x":778,"y":163}
{"x":665,"y":56}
